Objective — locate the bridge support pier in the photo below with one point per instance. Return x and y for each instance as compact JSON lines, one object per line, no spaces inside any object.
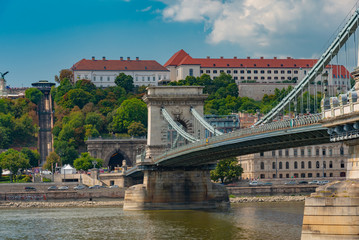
{"x":332,"y":211}
{"x":176,"y":189}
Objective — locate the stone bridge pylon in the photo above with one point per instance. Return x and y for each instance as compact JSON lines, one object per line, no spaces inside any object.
{"x":177,"y":102}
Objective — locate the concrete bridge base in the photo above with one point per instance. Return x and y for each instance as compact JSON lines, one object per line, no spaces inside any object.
{"x":176,"y":189}
{"x":332,"y":212}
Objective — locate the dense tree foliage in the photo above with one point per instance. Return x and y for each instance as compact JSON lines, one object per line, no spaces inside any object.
{"x":85,"y":162}
{"x":137,"y":129}
{"x":34,"y":95}
{"x":51,"y":161}
{"x":18,"y":123}
{"x":32,"y":155}
{"x":125,"y":81}
{"x":227,"y":170}
{"x":13,"y":161}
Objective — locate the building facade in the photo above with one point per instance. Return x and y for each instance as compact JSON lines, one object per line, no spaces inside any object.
{"x":327,"y":160}
{"x":104,"y":72}
{"x":261,"y":71}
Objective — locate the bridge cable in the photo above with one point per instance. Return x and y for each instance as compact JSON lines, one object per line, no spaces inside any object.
{"x":204,"y":123}
{"x":324,"y":60}
{"x":177,"y":128}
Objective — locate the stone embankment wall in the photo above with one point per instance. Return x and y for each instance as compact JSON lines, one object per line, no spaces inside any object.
{"x":271,"y":190}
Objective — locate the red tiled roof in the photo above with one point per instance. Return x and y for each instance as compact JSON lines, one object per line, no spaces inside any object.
{"x":118,"y":65}
{"x":340,"y":70}
{"x":183,"y":58}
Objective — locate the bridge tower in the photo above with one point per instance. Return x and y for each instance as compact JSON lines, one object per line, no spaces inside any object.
{"x":45,"y":138}
{"x":180,"y":187}
{"x":177,"y":101}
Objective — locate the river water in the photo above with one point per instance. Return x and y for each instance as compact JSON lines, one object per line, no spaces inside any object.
{"x":253,"y":221}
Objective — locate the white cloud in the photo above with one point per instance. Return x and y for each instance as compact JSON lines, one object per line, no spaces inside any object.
{"x":145,"y":9}
{"x":259,"y":24}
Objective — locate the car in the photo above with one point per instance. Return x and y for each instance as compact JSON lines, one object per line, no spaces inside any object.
{"x":267,"y":184}
{"x":51,"y":188}
{"x":30,"y":189}
{"x":114,"y":186}
{"x":79,"y":187}
{"x":290,"y":183}
{"x":256,"y":183}
{"x":303,"y":182}
{"x":314,"y":182}
{"x":323,"y":182}
{"x":95,"y":187}
{"x":63,"y":188}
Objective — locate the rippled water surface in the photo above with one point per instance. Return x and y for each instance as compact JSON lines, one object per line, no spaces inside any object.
{"x":244,"y":221}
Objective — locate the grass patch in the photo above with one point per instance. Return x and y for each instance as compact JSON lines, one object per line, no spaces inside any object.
{"x":231,"y":196}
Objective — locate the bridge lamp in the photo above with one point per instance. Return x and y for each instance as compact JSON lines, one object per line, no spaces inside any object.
{"x":338,"y":129}
{"x":347,"y":127}
{"x":325,"y":82}
{"x":356,"y":125}
{"x":330,"y":131}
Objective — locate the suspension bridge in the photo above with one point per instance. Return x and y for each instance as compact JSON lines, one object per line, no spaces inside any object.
{"x":178,"y":156}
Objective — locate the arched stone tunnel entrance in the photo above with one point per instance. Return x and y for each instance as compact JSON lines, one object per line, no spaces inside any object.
{"x":115,"y":159}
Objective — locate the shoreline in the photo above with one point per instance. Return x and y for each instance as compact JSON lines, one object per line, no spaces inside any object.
{"x":119,"y":203}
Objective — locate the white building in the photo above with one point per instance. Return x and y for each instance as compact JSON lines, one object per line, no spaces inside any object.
{"x":248,"y":70}
{"x":104,"y":72}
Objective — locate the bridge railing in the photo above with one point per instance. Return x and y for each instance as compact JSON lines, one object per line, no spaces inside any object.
{"x":273,"y":126}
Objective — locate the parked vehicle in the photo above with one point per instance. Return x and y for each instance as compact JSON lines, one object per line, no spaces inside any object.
{"x":256,"y":183}
{"x":95,"y":187}
{"x":30,"y":189}
{"x":323,"y":182}
{"x":303,"y":182}
{"x":267,"y":184}
{"x":114,"y":186}
{"x":290,"y":183}
{"x":52,"y":188}
{"x":63,"y":188}
{"x":314,"y":182}
{"x":79,"y":187}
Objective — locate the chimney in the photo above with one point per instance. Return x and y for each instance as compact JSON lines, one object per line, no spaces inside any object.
{"x":104,"y":58}
{"x":128,"y":59}
{"x":248,"y":57}
{"x":275,"y":57}
{"x":234,"y":57}
{"x":221,"y":57}
{"x":137,"y":58}
{"x":121,"y":58}
{"x":208,"y":57}
{"x":93,"y":58}
{"x":262,"y":57}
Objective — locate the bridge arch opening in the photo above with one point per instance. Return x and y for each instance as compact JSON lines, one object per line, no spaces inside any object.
{"x":115,"y":160}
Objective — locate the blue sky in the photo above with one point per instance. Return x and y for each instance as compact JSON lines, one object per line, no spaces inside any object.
{"x":39,"y":38}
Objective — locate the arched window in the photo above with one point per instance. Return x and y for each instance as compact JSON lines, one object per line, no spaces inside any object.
{"x":342,"y":165}
{"x":330,"y":164}
{"x":273,"y":165}
{"x":324,"y":164}
{"x":317,"y":165}
{"x":309,"y":164}
{"x":280,"y":165}
{"x":295,"y":165}
{"x":191,"y":72}
{"x":286,"y":165}
{"x":302,"y":165}
{"x":262,"y":165}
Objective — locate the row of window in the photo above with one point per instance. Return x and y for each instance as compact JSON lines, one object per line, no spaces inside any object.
{"x":249,"y":71}
{"x":302,"y":175}
{"x":262,"y":78}
{"x":302,"y":152}
{"x":302,"y":165}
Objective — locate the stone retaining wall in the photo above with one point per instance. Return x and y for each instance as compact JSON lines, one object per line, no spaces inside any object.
{"x":271,"y":190}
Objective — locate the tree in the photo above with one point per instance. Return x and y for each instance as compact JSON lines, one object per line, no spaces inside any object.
{"x":32,"y":155}
{"x":51,"y":161}
{"x":137,"y":129}
{"x":226,"y":170}
{"x":85,"y":162}
{"x":125,"y":81}
{"x":64,"y":73}
{"x":13,"y":161}
{"x":34,"y":95}
{"x":76,"y":97}
{"x":131,"y":110}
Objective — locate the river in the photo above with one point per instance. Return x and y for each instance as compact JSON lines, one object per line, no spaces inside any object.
{"x":254,"y":221}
